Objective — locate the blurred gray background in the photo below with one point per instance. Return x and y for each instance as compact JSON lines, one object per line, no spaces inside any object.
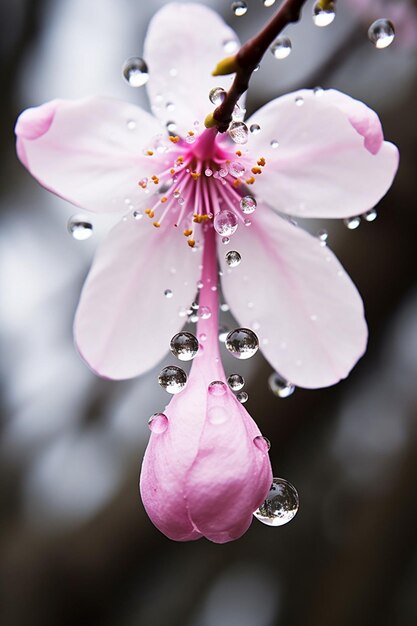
{"x":76,"y":545}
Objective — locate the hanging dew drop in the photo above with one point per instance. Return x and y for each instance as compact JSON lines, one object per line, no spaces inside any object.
{"x":242,"y":343}
{"x":262,"y":443}
{"x":370,"y":216}
{"x":239,"y":8}
{"x":233,"y":258}
{"x":173,"y":379}
{"x":268,"y":3}
{"x":381,"y":33}
{"x":281,"y":504}
{"x":281,"y":48}
{"x":135,"y":72}
{"x":352,"y":223}
{"x":225,"y":223}
{"x":248,"y":204}
{"x":279,"y":386}
{"x":242,"y":396}
{"x":184,"y":346}
{"x":79,"y":228}
{"x":217,"y":95}
{"x":158,"y":423}
{"x":238,"y":132}
{"x":324,"y":16}
{"x":235,"y":382}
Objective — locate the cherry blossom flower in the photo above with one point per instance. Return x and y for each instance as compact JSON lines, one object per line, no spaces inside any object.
{"x":316,"y":154}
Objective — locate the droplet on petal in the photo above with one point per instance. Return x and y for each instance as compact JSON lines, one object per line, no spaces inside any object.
{"x":323,"y":235}
{"x":262,"y":443}
{"x":352,"y":222}
{"x":299,"y":101}
{"x":238,"y":132}
{"x":236,"y":169}
{"x":239,"y":8}
{"x":158,"y":423}
{"x":79,"y":227}
{"x":137,"y":215}
{"x":274,"y":144}
{"x":323,"y":16}
{"x":235,"y":382}
{"x":173,"y":379}
{"x":217,"y":95}
{"x":268,"y":3}
{"x":281,"y":48}
{"x":248,"y":204}
{"x":242,"y":396}
{"x":217,"y":388}
{"x":204,"y":312}
{"x":184,"y":346}
{"x":233,"y":258}
{"x":171,"y":127}
{"x":230,"y":46}
{"x":281,"y":504}
{"x":242,"y":343}
{"x":225,"y":240}
{"x":279,"y":386}
{"x":225,"y":223}
{"x":135,"y":72}
{"x":168,"y":293}
{"x":370,"y":216}
{"x":255,"y":129}
{"x":381,"y":33}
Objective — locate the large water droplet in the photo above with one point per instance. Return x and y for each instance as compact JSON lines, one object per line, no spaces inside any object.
{"x":135,"y":72}
{"x":381,"y":33}
{"x":172,"y":379}
{"x":352,"y":222}
{"x":184,"y":346}
{"x":236,"y":382}
{"x":79,"y":227}
{"x":158,"y":423}
{"x":225,"y":223}
{"x":262,"y":443}
{"x":248,"y":204}
{"x":279,"y":386}
{"x":281,"y":47}
{"x":233,"y":258}
{"x":239,"y":8}
{"x":238,"y":132}
{"x":242,"y":343}
{"x":281,"y":504}
{"x":324,"y":16}
{"x":217,"y":388}
{"x":217,"y":95}
{"x":236,"y":169}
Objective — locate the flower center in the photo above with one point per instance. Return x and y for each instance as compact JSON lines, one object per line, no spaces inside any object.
{"x":199,"y":179}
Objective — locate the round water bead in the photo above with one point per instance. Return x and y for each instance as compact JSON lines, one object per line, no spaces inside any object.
{"x":262,"y":443}
{"x":236,"y":169}
{"x":184,"y":346}
{"x":281,"y":47}
{"x":204,"y":312}
{"x":217,"y":388}
{"x":238,"y":132}
{"x":279,"y":386}
{"x":235,"y":382}
{"x":79,"y":227}
{"x":217,"y":95}
{"x":381,"y":33}
{"x":281,"y":504}
{"x":225,"y":223}
{"x":242,"y":396}
{"x":172,"y":379}
{"x":135,"y":72}
{"x":370,"y":216}
{"x":248,"y":204}
{"x":268,"y":3}
{"x":168,"y":293}
{"x":158,"y":423}
{"x":233,"y":258}
{"x":352,"y":222}
{"x":239,"y":8}
{"x":242,"y":343}
{"x":324,"y":16}
{"x":255,"y":129}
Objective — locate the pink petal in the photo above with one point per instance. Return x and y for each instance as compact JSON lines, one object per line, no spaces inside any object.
{"x":85,"y":151}
{"x":311,"y":321}
{"x":329,"y":161}
{"x":183,"y":45}
{"x":124,"y":322}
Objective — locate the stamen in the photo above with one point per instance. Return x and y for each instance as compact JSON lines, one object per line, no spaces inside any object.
{"x":256,"y":170}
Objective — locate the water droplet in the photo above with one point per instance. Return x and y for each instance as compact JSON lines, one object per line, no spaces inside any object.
{"x":208,"y":172}
{"x":318,"y":91}
{"x":255,"y":129}
{"x":236,"y":169}
{"x":202,"y":337}
{"x":281,"y":48}
{"x":190,"y":138}
{"x":262,"y":443}
{"x":168,"y":293}
{"x":238,"y":132}
{"x":242,"y":343}
{"x":223,"y":172}
{"x":158,"y":423}
{"x":268,"y":3}
{"x":184,"y":346}
{"x":381,"y":33}
{"x":281,"y":504}
{"x":79,"y":227}
{"x":135,"y":72}
{"x":239,"y":8}
{"x":236,"y":382}
{"x":225,"y":240}
{"x":224,"y":307}
{"x":238,"y":113}
{"x":230,"y":45}
{"x":323,"y":236}
{"x":172,"y":379}
{"x":248,"y":204}
{"x":242,"y":396}
{"x":233,"y":258}
{"x":274,"y":144}
{"x":171,"y":127}
{"x":217,"y":95}
{"x":204,"y":312}
{"x":217,"y":388}
{"x":299,"y":101}
{"x":170,"y":106}
{"x":323,"y":16}
{"x":137,"y":215}
{"x":370,"y":216}
{"x":279,"y":386}
{"x":131,"y":124}
{"x":225,"y":223}
{"x":352,"y":222}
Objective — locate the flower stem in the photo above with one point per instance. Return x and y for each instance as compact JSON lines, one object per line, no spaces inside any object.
{"x":249,"y":57}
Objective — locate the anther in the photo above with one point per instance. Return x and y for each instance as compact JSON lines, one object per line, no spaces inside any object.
{"x":163,"y":199}
{"x":187,"y":232}
{"x":239,"y":152}
{"x":261,"y":161}
{"x":191,"y":243}
{"x":156,"y":224}
{"x":237,"y":182}
{"x":174,"y":139}
{"x":195,"y":175}
{"x":256,"y":170}
{"x":149,"y":152}
{"x":250,"y":181}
